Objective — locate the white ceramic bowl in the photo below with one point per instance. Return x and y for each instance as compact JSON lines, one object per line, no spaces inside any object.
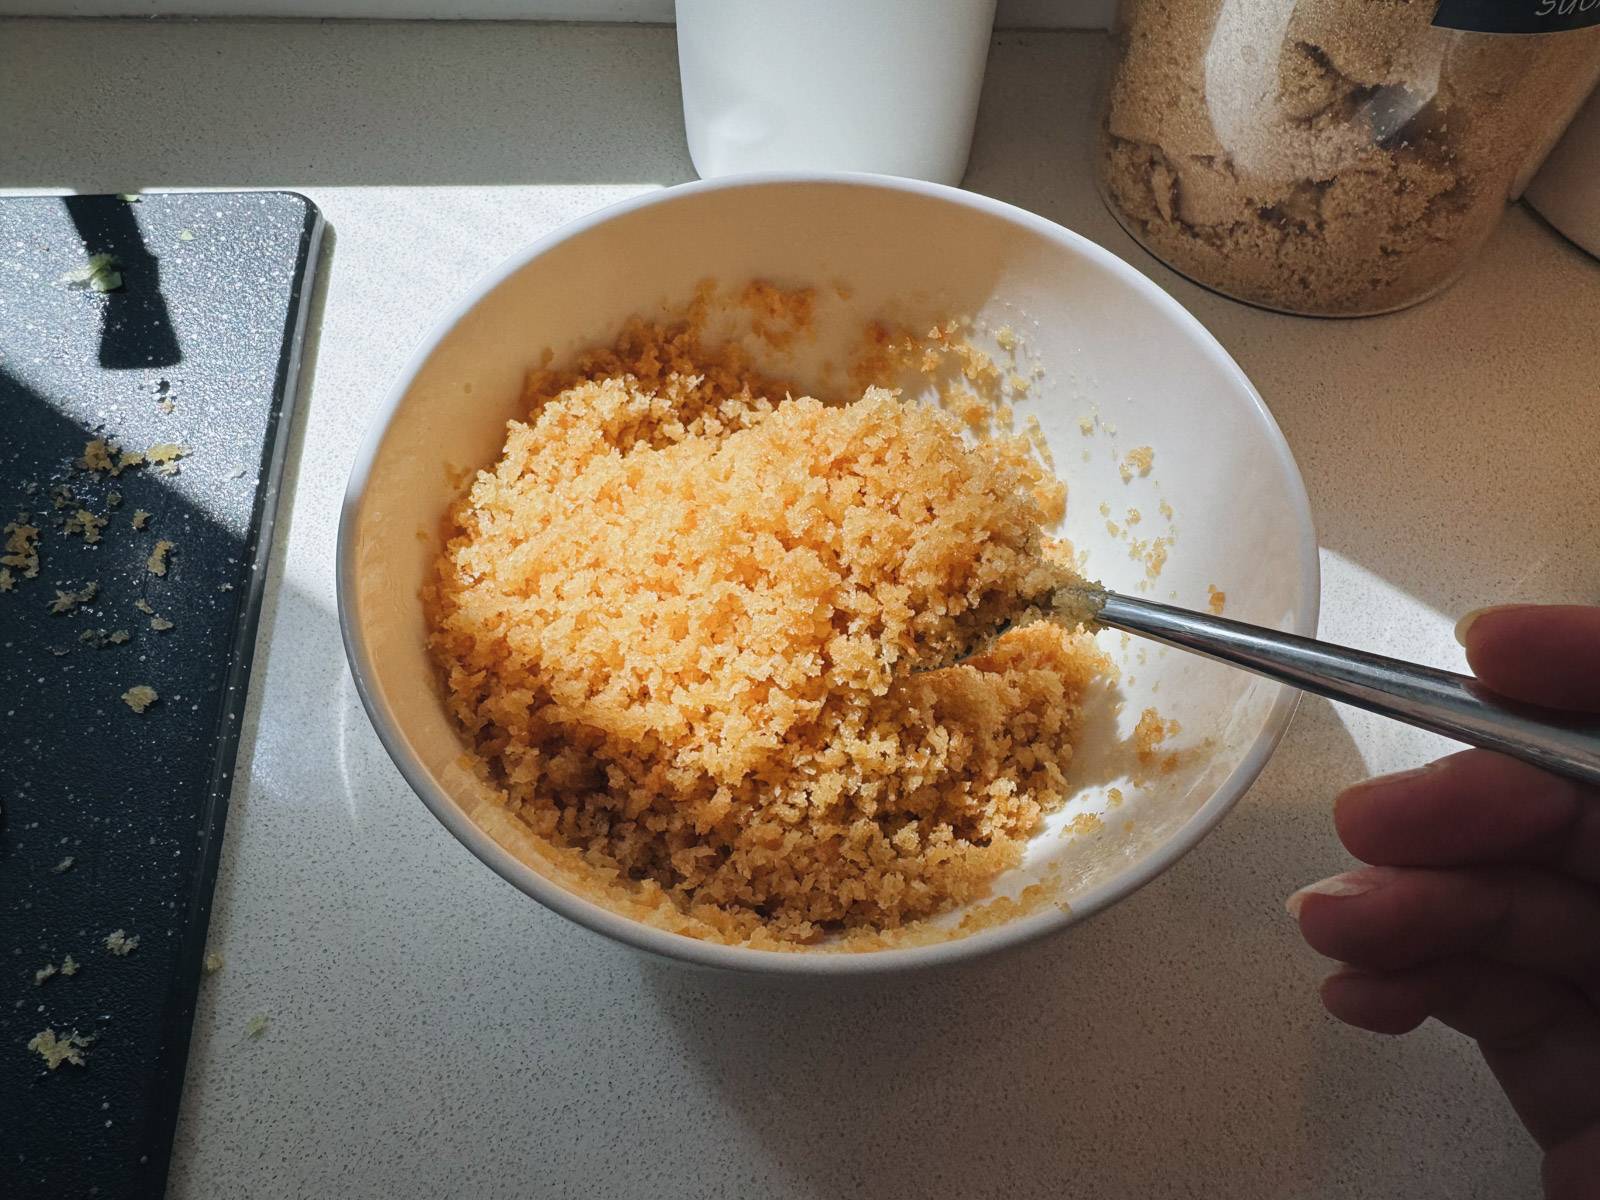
{"x":1112,"y":344}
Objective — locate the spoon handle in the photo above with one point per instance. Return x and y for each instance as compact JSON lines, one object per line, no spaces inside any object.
{"x":1456,"y":706}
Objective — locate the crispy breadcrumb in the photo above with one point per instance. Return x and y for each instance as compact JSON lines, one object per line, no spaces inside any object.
{"x":1137,"y":461}
{"x":67,"y":1048}
{"x":140,"y":697}
{"x":121,"y":943}
{"x":157,"y":562}
{"x":676,"y":620}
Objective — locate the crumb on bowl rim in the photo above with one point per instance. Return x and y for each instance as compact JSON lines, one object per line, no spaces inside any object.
{"x":664,"y":944}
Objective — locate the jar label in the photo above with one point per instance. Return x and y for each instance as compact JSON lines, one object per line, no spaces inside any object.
{"x":1517,"y":16}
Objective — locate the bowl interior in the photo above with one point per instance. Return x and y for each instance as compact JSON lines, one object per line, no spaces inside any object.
{"x":1122,"y":367}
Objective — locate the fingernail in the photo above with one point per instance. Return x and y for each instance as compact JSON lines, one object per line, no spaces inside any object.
{"x":1351,"y":883}
{"x":1466,"y":622}
{"x":1382,"y":781}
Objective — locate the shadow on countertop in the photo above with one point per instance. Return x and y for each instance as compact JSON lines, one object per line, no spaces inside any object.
{"x":1109,"y":1061}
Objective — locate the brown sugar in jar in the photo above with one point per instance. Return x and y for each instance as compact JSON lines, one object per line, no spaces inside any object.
{"x":1334,"y":157}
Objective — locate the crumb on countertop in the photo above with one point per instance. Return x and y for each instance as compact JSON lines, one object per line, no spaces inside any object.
{"x":256,"y":1026}
{"x":1216,"y":598}
{"x":213,"y":962}
{"x":87,"y":523}
{"x":157,"y":562}
{"x":63,"y":866}
{"x":140,"y":518}
{"x":165,"y":456}
{"x":100,"y":274}
{"x":57,"y":1050}
{"x":69,"y":966}
{"x":140,"y":697}
{"x":97,"y":455}
{"x":66,"y":601}
{"x":22,"y":547}
{"x":43,"y":973}
{"x":121,"y":943}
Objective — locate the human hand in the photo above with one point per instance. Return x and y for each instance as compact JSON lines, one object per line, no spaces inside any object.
{"x":1481,"y":906}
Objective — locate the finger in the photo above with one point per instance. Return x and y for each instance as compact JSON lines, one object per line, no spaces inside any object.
{"x":1539,"y":654}
{"x":1473,"y":807}
{"x":1390,"y":918}
{"x":1541,"y":1038}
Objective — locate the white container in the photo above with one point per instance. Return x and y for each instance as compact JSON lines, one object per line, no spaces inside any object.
{"x":1566,"y":191}
{"x":889,"y":86}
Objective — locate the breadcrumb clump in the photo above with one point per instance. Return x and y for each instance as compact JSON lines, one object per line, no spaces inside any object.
{"x":165,"y":456}
{"x":97,"y":456}
{"x":121,"y":943}
{"x":1150,"y":733}
{"x":57,"y":1050}
{"x":677,"y":620}
{"x":1137,"y":461}
{"x":1216,"y":598}
{"x":66,"y":601}
{"x":22,"y":548}
{"x":157,"y":562}
{"x":139,"y":697}
{"x":87,"y":523}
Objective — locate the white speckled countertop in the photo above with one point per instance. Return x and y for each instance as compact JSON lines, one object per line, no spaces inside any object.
{"x":434,"y":1032}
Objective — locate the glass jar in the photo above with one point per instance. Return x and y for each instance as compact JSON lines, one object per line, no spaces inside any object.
{"x":1334,"y":157}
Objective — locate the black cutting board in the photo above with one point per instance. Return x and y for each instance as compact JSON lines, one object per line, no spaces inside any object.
{"x":112,"y":819}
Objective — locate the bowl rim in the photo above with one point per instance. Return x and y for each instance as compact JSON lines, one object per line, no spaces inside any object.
{"x":666,"y":944}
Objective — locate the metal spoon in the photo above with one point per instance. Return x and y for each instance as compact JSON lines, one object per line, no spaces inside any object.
{"x":1456,"y":706}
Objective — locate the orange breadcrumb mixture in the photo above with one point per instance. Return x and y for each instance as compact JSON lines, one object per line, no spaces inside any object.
{"x":677,"y":622}
{"x":1150,"y":733}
